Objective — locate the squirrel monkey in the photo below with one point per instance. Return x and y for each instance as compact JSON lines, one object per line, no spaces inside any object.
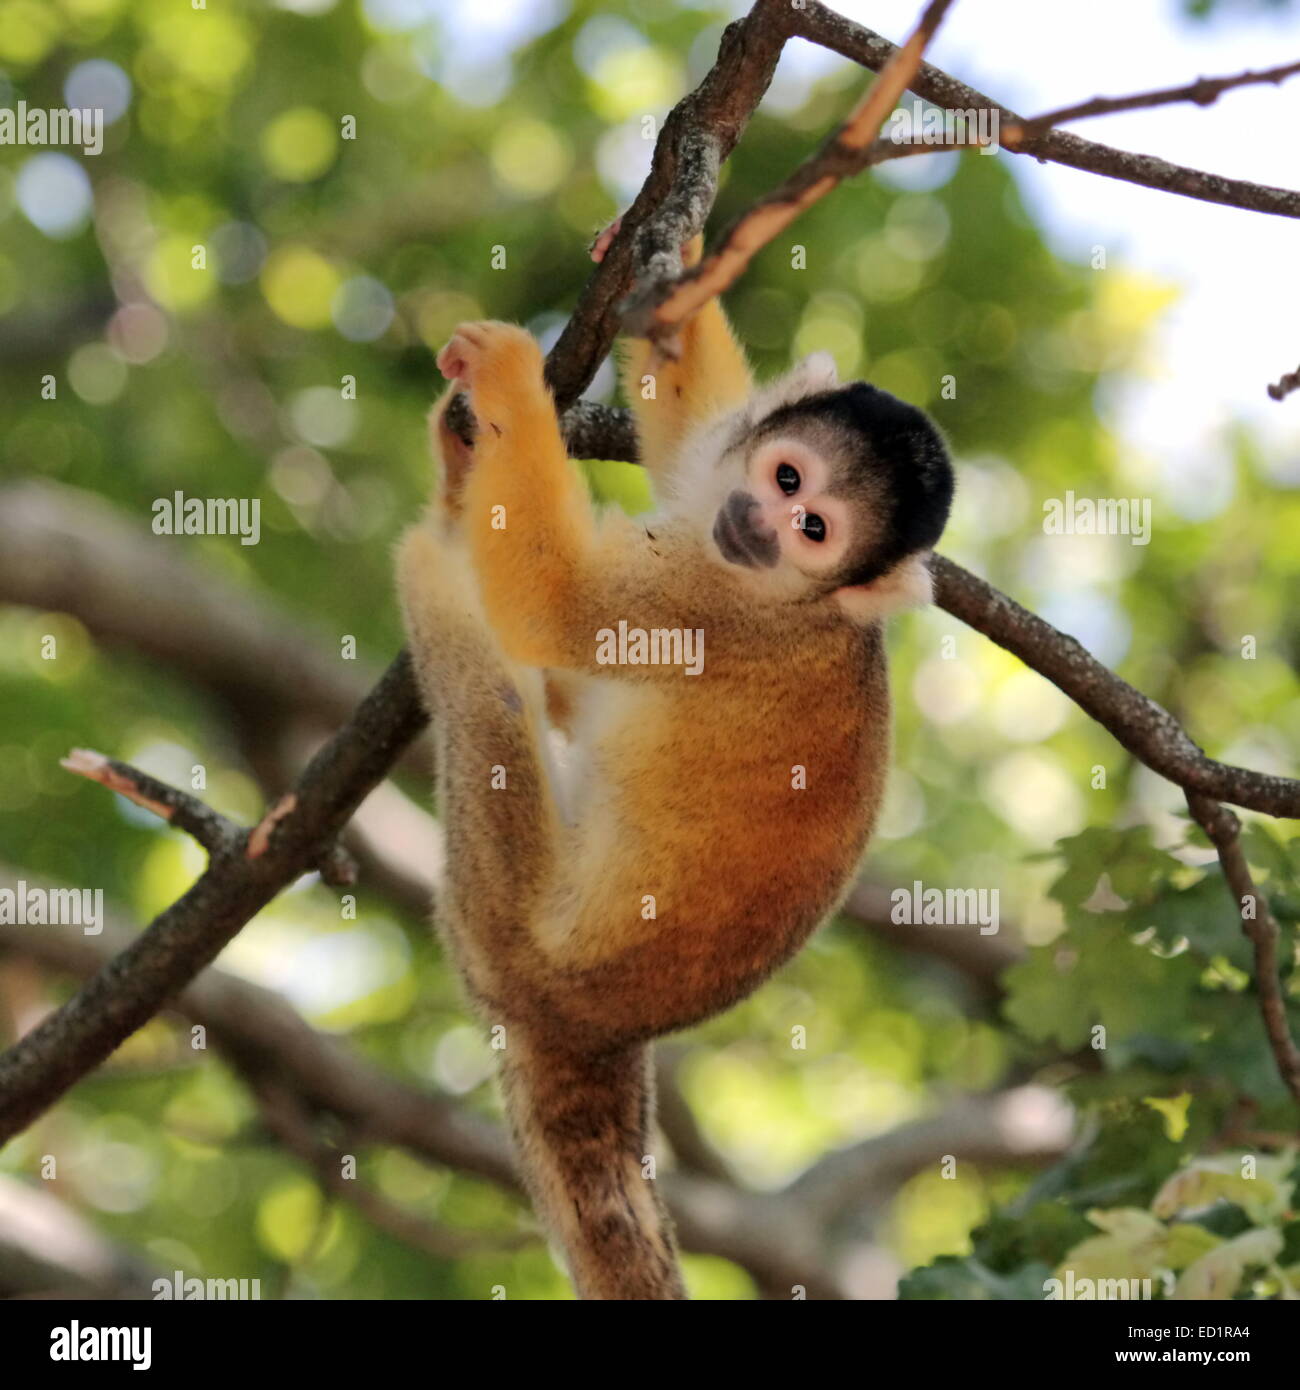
{"x":704,"y":824}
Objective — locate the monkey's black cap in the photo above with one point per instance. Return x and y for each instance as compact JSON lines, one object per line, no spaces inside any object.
{"x":911,"y":452}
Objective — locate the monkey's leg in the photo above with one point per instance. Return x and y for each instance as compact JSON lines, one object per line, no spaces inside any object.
{"x":580,"y":1118}
{"x":500,"y":818}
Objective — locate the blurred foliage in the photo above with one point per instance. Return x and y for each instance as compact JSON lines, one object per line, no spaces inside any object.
{"x":1218,"y":1228}
{"x":253,"y":255}
{"x":1205,"y":9}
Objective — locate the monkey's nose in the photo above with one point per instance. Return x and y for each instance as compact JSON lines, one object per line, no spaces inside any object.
{"x":763,"y":533}
{"x":758,"y":543}
{"x":749,"y":515}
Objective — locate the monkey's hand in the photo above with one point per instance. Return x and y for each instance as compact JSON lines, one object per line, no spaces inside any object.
{"x":691,"y":250}
{"x":603,"y":239}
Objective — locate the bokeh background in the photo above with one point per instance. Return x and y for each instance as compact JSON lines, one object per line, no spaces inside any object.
{"x":199,"y":293}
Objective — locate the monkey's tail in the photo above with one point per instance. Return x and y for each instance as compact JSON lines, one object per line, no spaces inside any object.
{"x":581,"y":1124}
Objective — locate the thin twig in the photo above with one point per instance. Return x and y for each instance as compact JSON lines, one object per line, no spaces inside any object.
{"x":666,"y":294}
{"x":818,"y":24}
{"x":1280,"y":390}
{"x":210,"y":828}
{"x":215,"y":832}
{"x":1205,"y":91}
{"x":134,"y":985}
{"x":1260,"y":928}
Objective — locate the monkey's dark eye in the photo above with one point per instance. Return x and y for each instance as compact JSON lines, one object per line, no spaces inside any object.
{"x":787,"y":479}
{"x":814,"y":527}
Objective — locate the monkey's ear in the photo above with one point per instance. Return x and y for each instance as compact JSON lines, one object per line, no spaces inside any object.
{"x":818,"y":370}
{"x":907,"y":585}
{"x":810,"y":377}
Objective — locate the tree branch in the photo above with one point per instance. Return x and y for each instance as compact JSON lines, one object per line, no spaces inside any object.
{"x":833,"y":31}
{"x":63,"y":549}
{"x":1205,"y":91}
{"x":210,"y":828}
{"x":1279,"y":390}
{"x":272,"y":1046}
{"x":677,"y":295}
{"x":290,"y":1120}
{"x":1144,"y":728}
{"x":134,"y":985}
{"x":697,"y":136}
{"x":981,"y":959}
{"x":1260,"y":928}
{"x":51,"y":1249}
{"x":1028,"y":1124}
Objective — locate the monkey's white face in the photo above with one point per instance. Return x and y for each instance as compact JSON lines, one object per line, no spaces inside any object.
{"x":766,"y":514}
{"x":780,"y":529}
{"x":784,"y":513}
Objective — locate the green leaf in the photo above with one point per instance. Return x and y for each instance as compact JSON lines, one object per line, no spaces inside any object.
{"x":1266,"y":850}
{"x":1218,"y":1274}
{"x":1206,"y":915}
{"x":963,"y":1278}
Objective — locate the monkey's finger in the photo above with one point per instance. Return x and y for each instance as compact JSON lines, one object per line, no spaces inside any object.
{"x":452,"y":367}
{"x":692,"y":250}
{"x":454,"y":359}
{"x":603,"y":239}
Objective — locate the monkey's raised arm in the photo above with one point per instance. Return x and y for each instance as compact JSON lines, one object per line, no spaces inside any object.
{"x":550,"y":578}
{"x":669,"y":398}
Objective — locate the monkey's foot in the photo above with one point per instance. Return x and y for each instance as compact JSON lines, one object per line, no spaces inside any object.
{"x":498,"y":363}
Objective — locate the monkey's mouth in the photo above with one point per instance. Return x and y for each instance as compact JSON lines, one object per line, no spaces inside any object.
{"x":737,"y":540}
